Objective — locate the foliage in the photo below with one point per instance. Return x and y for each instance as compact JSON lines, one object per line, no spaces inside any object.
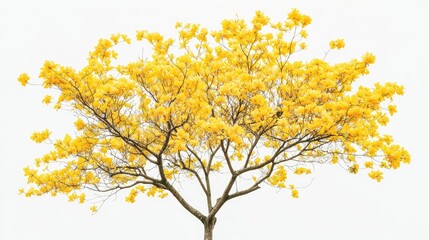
{"x":228,"y":102}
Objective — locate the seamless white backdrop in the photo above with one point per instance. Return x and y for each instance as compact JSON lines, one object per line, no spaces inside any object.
{"x":337,"y":205}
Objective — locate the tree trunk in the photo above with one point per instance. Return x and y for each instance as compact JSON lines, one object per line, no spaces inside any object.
{"x":208,"y":228}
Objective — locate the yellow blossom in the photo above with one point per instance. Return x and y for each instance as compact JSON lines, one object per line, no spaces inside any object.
{"x":368,"y":58}
{"x":354,"y":168}
{"x":47,"y":99}
{"x":337,"y":44}
{"x":334,"y":159}
{"x":392,"y":109}
{"x":79,"y":124}
{"x":369,"y":164}
{"x":152,"y":191}
{"x":302,"y":170}
{"x":39,"y":137}
{"x":23,"y":79}
{"x":376,"y":175}
{"x":93,"y":209}
{"x":295,"y":193}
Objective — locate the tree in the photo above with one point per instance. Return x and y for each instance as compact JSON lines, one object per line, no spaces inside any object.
{"x":228,"y":104}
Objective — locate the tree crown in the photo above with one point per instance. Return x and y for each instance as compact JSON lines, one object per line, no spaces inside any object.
{"x":229,"y":101}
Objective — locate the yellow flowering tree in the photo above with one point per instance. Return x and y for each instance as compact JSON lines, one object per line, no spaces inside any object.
{"x":227,"y":103}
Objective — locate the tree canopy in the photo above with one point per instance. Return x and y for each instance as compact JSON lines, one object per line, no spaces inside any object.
{"x":231,"y":102}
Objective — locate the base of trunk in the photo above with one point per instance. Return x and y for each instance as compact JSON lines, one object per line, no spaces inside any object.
{"x":208,"y":229}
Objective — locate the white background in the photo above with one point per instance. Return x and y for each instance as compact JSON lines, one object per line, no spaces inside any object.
{"x":337,"y":205}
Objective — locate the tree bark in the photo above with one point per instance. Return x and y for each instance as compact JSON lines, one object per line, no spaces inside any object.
{"x":208,"y":228}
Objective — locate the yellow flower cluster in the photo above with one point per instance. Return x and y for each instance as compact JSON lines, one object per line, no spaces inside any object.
{"x":23,"y":79}
{"x":376,"y":175}
{"x":131,"y":198}
{"x":39,"y":137}
{"x":294,"y":192}
{"x":79,"y":124}
{"x":47,"y":99}
{"x":278,"y":179}
{"x":337,"y":44}
{"x":206,"y":103}
{"x":74,"y":196}
{"x":302,"y":170}
{"x":299,"y":19}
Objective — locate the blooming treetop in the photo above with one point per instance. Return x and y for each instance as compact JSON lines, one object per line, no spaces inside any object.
{"x":228,"y":101}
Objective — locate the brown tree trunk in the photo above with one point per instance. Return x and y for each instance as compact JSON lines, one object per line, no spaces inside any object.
{"x":208,"y":228}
